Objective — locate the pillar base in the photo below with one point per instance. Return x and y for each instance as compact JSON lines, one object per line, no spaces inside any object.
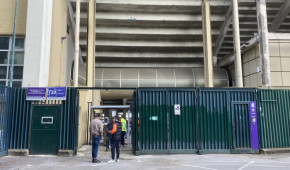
{"x":65,"y":153}
{"x":18,"y":152}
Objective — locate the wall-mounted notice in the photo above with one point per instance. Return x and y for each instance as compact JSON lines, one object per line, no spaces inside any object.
{"x":56,"y":93}
{"x":177,"y":109}
{"x":36,"y":93}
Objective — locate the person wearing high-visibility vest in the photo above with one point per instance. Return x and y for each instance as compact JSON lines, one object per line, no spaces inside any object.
{"x":124,"y":131}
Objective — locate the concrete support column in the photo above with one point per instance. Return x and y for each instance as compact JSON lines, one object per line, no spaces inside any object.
{"x":207,"y":45}
{"x":264,"y":43}
{"x":237,"y":43}
{"x":91,"y":44}
{"x":77,"y":39}
{"x":37,"y":43}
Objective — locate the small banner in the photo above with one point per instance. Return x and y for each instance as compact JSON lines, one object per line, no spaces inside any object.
{"x":36,"y":93}
{"x":56,"y":93}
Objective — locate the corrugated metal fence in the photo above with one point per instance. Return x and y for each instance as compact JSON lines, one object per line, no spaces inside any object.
{"x":21,"y":117}
{"x":211,"y":120}
{"x":274,"y":118}
{"x":5,"y":103}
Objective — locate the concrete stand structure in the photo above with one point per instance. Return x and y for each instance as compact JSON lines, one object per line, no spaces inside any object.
{"x":207,"y":45}
{"x":264,"y":44}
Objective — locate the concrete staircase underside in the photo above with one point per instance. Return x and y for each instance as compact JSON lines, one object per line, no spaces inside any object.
{"x":165,"y":33}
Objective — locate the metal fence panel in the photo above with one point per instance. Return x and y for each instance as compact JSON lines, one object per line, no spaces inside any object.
{"x":214,"y":122}
{"x":21,"y":117}
{"x":274,"y":119}
{"x":20,"y":123}
{"x":5,"y":117}
{"x":182,"y":128}
{"x":153,"y":121}
{"x":224,"y":120}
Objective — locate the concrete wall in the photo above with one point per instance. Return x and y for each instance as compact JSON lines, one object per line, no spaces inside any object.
{"x":57,"y":69}
{"x":83,"y":107}
{"x":280,"y":65}
{"x":252,"y":67}
{"x":7,"y":9}
{"x":280,"y":62}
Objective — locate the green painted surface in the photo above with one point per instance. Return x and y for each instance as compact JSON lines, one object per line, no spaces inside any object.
{"x":274,"y":118}
{"x":211,"y":120}
{"x":45,"y":130}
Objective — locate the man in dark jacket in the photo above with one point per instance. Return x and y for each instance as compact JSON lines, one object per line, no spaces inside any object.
{"x":116,"y":138}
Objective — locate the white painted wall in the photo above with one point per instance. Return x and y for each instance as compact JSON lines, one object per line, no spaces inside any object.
{"x":37,"y":43}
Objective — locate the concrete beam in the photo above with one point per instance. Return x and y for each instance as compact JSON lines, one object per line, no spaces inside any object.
{"x":279,"y":36}
{"x":151,"y":17}
{"x":147,"y":65}
{"x":124,"y":43}
{"x":281,"y":16}
{"x":218,"y":3}
{"x":264,"y":43}
{"x":223,"y":31}
{"x":148,"y":30}
{"x":146,"y":55}
{"x":91,"y":44}
{"x":237,"y":45}
{"x":207,"y":43}
{"x":226,"y":61}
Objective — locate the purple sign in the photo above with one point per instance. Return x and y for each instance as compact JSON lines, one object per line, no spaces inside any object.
{"x":36,"y":93}
{"x":56,"y":93}
{"x":254,"y":125}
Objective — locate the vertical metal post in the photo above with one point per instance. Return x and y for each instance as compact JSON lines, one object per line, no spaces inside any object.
{"x":207,"y":45}
{"x":264,"y":44}
{"x":237,"y":42}
{"x":77,"y":38}
{"x":13,"y":46}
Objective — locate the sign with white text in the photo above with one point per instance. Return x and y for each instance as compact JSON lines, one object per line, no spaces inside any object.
{"x":56,"y":93}
{"x":36,"y":93}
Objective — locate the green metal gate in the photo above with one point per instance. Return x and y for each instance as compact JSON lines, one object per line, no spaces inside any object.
{"x":45,"y":130}
{"x":241,"y":128}
{"x":224,"y":120}
{"x":160,"y":130}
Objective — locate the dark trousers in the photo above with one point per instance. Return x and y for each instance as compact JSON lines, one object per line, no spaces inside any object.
{"x":95,"y":146}
{"x":123,"y":137}
{"x":115,"y":147}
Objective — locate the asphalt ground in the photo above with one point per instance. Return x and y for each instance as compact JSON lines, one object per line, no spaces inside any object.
{"x":131,"y":162}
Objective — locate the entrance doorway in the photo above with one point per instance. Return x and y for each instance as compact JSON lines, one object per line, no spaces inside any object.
{"x":108,"y":103}
{"x":45,"y":130}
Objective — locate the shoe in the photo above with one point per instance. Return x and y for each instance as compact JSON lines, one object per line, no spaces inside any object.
{"x":117,"y":160}
{"x":111,"y":161}
{"x":96,"y":161}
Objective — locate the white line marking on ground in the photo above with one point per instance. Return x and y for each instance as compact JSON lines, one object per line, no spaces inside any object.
{"x":269,"y":166}
{"x":197,"y":167}
{"x":138,"y":160}
{"x":245,"y":166}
